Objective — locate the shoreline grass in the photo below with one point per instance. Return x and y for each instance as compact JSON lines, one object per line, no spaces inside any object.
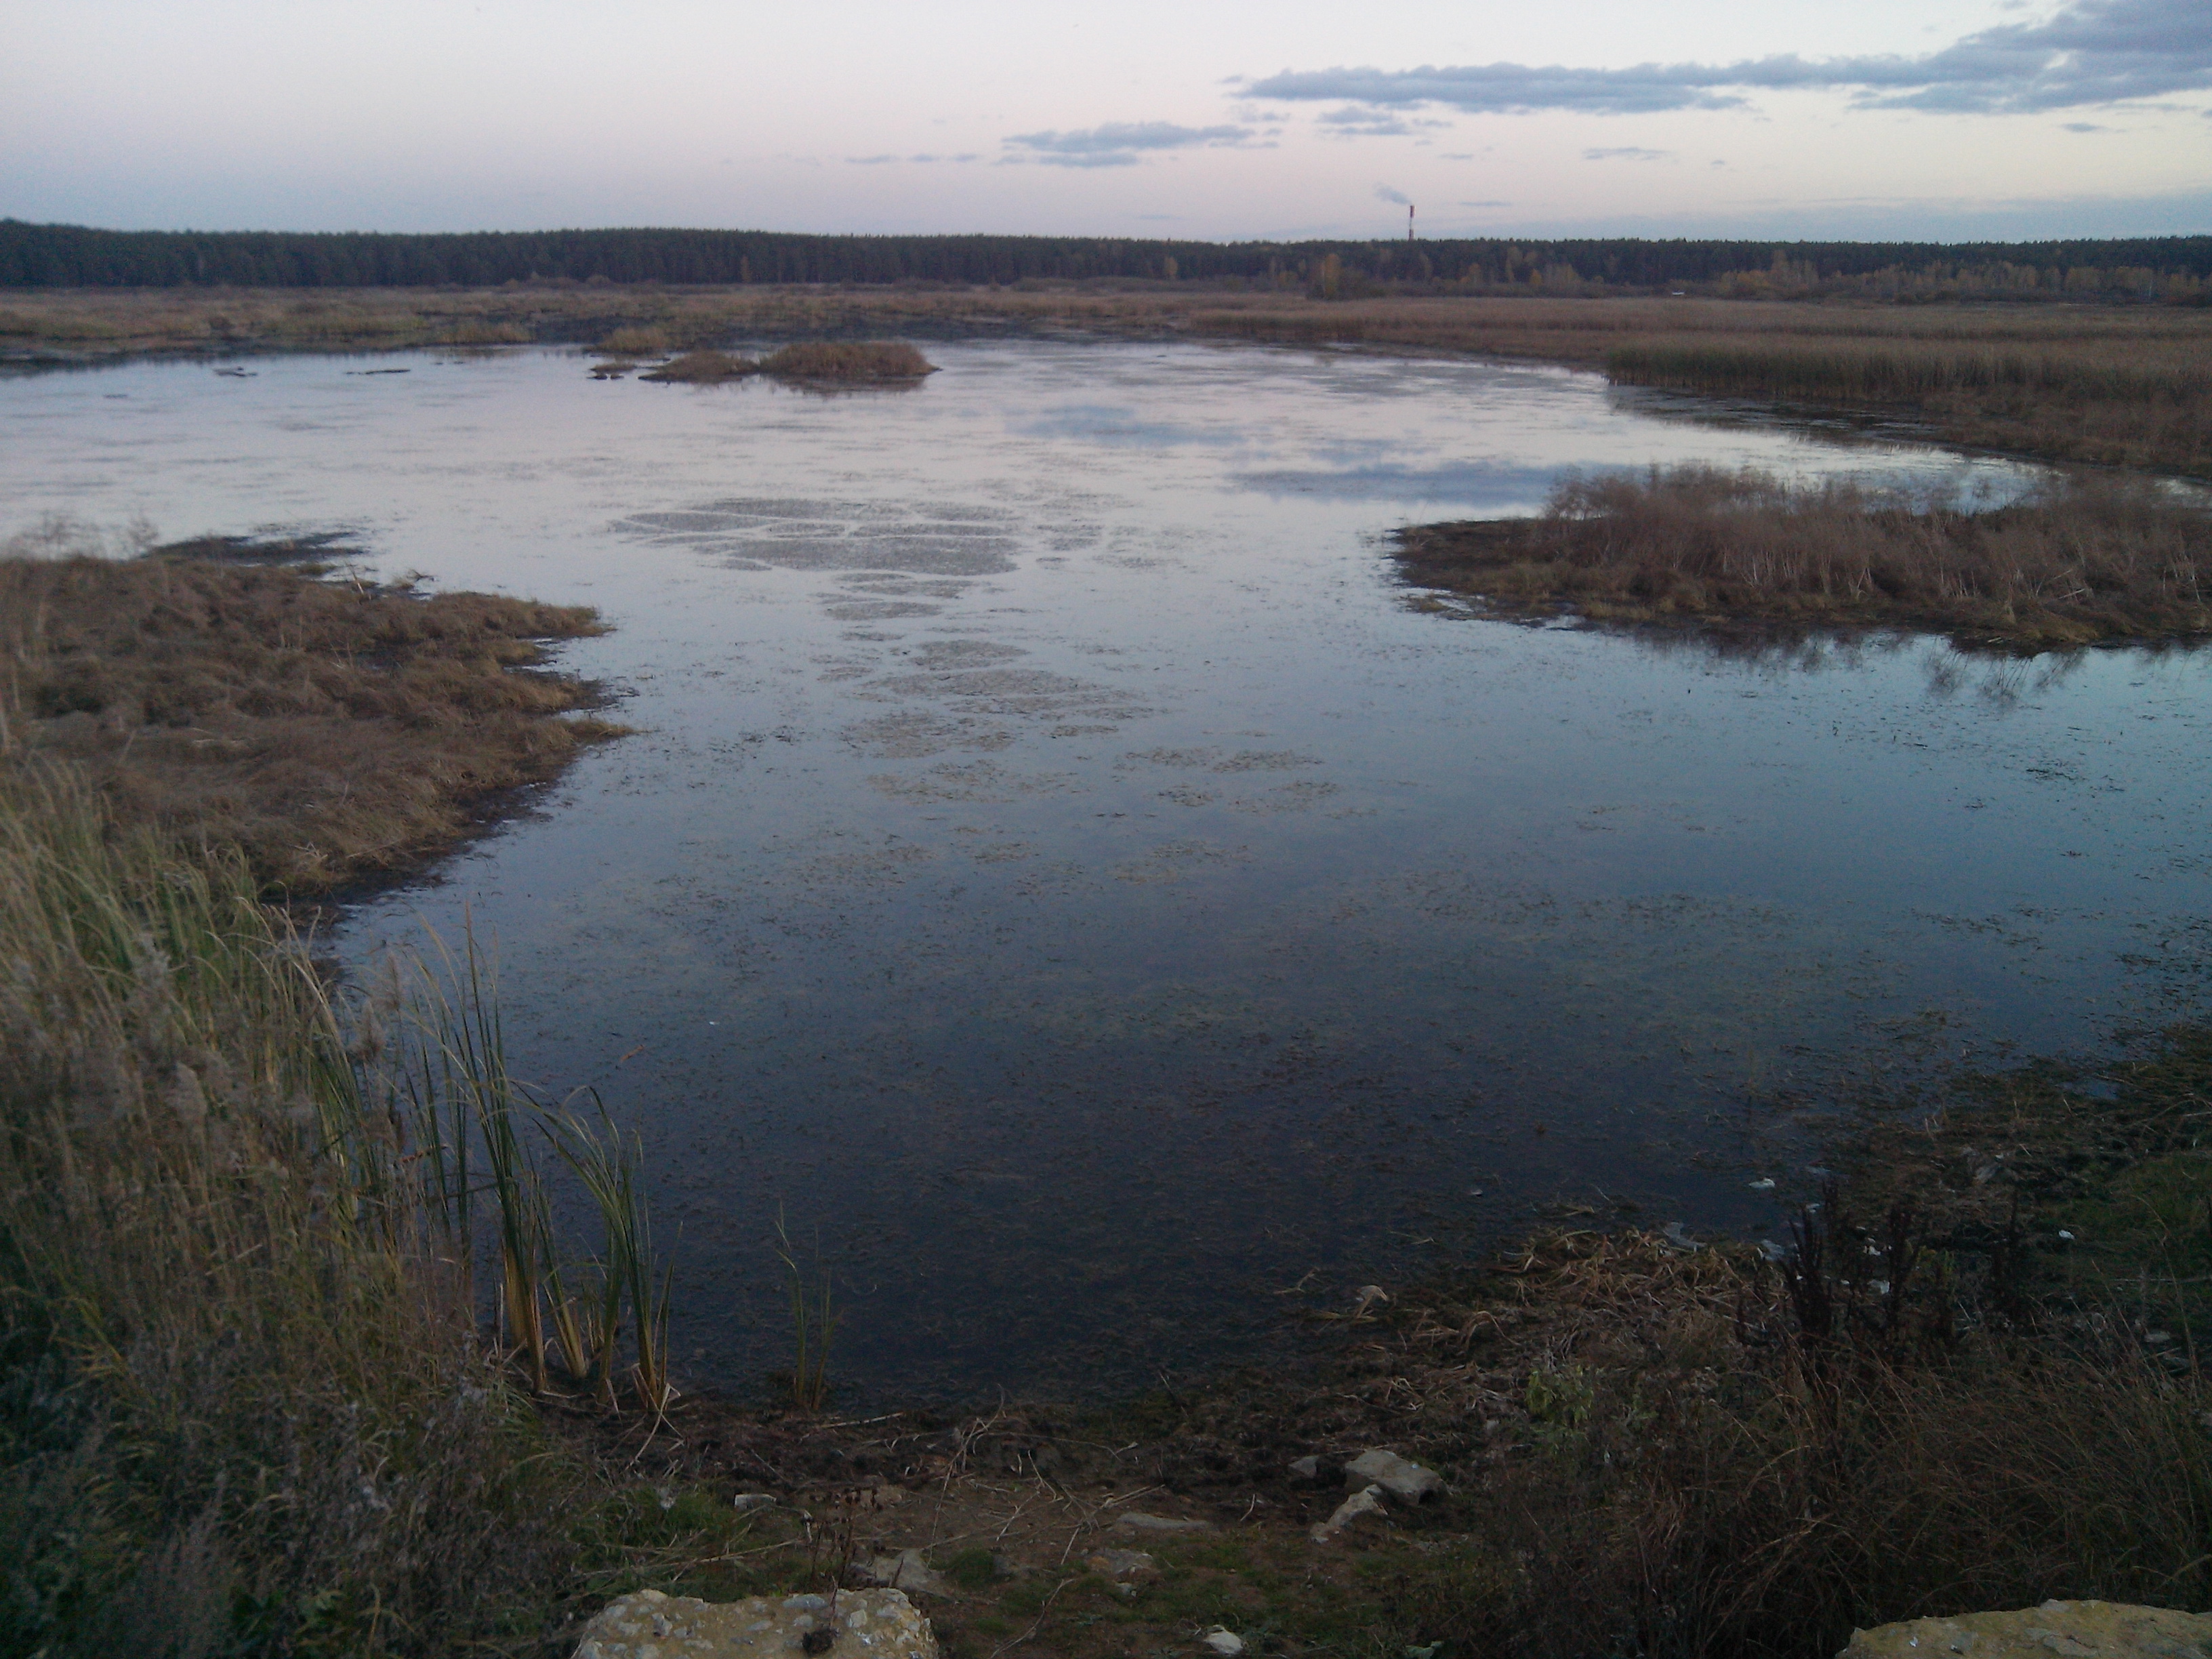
{"x":331,"y":729}
{"x":2081,"y":561}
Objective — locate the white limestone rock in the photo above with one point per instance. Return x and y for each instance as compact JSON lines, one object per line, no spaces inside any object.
{"x":1406,"y":1481}
{"x":881,"y":1624}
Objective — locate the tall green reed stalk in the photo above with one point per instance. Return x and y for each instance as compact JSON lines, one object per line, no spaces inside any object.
{"x":813,"y":1320}
{"x":458,"y":1081}
{"x":609,"y":1165}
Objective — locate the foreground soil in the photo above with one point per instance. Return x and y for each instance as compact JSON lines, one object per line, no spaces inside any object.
{"x":2121,"y":385}
{"x":331,"y":730}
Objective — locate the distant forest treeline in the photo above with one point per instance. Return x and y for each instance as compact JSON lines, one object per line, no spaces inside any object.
{"x":69,"y":256}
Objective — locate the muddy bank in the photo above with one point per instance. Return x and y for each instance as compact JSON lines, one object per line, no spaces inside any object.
{"x":331,"y":730}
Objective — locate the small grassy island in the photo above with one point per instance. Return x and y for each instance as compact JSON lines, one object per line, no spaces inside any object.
{"x":2084,"y":560}
{"x":853,"y":362}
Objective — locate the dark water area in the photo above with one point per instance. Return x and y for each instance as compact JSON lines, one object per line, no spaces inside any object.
{"x":1059,"y":871}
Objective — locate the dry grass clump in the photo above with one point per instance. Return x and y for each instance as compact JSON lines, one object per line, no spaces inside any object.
{"x":328,"y":729}
{"x":636,"y":341}
{"x":703,"y":368}
{"x":848,"y":360}
{"x":2082,"y":560}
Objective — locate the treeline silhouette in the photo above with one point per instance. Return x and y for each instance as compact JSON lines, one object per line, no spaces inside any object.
{"x":72,"y":256}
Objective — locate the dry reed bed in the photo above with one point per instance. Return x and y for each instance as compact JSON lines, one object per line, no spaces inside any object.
{"x":328,"y":730}
{"x":2082,"y":561}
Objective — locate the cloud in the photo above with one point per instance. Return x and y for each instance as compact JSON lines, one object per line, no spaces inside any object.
{"x":1626,"y":153}
{"x":1118,"y":143}
{"x":1367,"y":123}
{"x":2089,"y":53}
{"x":878,"y":161}
{"x":1384,"y":193}
{"x":2084,"y":126}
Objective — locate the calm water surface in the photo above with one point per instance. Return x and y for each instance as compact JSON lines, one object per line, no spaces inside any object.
{"x":1058,"y":868}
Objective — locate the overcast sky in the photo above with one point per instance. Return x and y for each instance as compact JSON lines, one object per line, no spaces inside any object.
{"x":1938,"y":118}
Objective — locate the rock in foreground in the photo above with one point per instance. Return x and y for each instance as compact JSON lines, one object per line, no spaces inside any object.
{"x":879,"y":1623}
{"x":2056,"y":1630}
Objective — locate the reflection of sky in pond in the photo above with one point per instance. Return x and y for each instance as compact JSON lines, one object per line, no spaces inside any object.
{"x":1057,"y":866}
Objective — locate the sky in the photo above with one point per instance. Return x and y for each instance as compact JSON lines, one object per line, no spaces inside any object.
{"x":1941,"y":119}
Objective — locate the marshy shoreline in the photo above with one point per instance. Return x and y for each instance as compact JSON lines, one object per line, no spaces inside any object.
{"x":333,"y":732}
{"x":1656,"y":1443}
{"x":2080,"y":382}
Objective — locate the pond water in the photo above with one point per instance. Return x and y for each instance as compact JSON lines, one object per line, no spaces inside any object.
{"x":1058,"y":870}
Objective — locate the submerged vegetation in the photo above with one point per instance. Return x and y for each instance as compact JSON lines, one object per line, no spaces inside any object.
{"x":328,"y":729}
{"x":2082,"y":560}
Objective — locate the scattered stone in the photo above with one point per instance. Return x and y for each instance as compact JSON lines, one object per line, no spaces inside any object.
{"x":747,"y":1502}
{"x":2056,"y":1630}
{"x":646,"y":1624}
{"x":1135,"y":1521}
{"x":1121,"y":1564}
{"x":1224,"y":1641}
{"x":1406,"y":1481}
{"x":909,"y":1571}
{"x":1306,"y":1471}
{"x":1367,"y":1501}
